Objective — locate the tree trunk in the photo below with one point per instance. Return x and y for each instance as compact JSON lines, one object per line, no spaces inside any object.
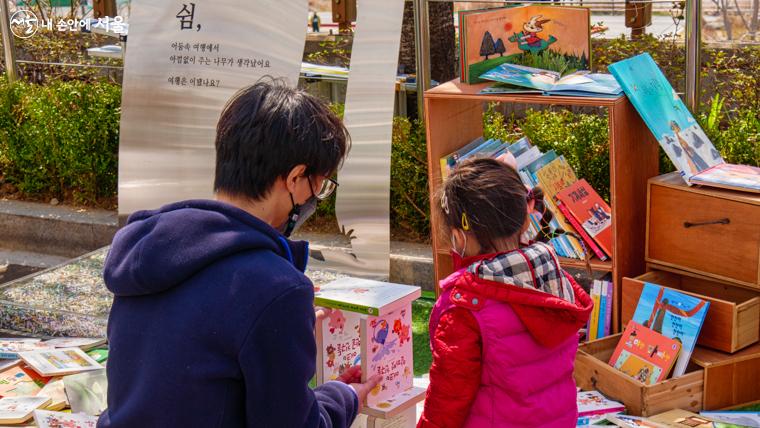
{"x":443,"y":53}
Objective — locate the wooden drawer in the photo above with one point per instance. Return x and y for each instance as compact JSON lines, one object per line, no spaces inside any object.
{"x":592,"y":371}
{"x":730,"y":379}
{"x":733,"y":319}
{"x":712,"y":232}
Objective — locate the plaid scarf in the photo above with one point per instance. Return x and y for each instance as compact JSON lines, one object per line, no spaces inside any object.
{"x":534,"y":267}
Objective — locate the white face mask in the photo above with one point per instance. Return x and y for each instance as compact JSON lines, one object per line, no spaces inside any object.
{"x":454,"y":247}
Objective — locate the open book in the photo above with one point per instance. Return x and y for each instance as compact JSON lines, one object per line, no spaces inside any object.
{"x":678,"y":133}
{"x":514,"y":78}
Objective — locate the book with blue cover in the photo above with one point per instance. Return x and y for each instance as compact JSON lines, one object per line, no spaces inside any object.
{"x":678,"y":133}
{"x":674,"y":315}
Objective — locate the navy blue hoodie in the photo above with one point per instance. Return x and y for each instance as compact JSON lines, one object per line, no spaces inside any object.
{"x":212,"y":325}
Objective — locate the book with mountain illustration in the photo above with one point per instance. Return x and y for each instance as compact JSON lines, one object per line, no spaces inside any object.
{"x":581,"y":202}
{"x":556,"y":38}
{"x":675,"y":315}
{"x":369,"y":325}
{"x":678,"y":133}
{"x":644,"y":354}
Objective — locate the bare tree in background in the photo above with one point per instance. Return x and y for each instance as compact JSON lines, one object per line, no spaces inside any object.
{"x":443,"y":53}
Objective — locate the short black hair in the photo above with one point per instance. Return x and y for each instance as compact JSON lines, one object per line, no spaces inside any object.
{"x":266,"y":129}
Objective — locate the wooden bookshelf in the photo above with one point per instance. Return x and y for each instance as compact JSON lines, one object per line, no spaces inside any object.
{"x":453,"y":117}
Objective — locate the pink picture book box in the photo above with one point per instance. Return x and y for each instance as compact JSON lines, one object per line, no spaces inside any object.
{"x":370,"y":325}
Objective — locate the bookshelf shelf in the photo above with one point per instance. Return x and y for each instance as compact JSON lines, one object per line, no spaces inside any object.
{"x":453,"y":117}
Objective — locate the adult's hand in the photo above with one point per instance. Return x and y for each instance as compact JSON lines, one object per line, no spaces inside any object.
{"x":322,"y":313}
{"x":352,"y":376}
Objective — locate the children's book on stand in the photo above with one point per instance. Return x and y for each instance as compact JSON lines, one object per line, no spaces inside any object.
{"x":678,"y":133}
{"x":370,"y":325}
{"x":17,"y":410}
{"x":675,"y":315}
{"x":644,"y":354}
{"x":556,"y":37}
{"x":590,"y":211}
{"x":513,"y":78}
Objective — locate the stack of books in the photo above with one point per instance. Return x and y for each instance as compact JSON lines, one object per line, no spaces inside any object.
{"x":573,"y":203}
{"x":40,"y":379}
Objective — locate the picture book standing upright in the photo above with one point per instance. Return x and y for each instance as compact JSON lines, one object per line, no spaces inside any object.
{"x":674,"y":315}
{"x":679,"y":134}
{"x":644,"y":354}
{"x":552,"y":37}
{"x":589,"y":210}
{"x":370,"y":325}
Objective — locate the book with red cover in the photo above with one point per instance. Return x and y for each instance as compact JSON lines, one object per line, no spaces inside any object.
{"x":587,"y":239}
{"x":644,"y":354}
{"x":590,"y":210}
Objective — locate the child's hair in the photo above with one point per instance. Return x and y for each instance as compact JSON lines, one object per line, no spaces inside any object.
{"x":486,"y":197}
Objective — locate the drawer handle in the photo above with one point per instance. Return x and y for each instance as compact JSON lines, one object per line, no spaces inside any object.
{"x":706,"y":223}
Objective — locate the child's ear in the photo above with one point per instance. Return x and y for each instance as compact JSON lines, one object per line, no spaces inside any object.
{"x":531,"y":206}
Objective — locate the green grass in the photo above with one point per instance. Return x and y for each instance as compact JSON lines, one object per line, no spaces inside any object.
{"x":421,"y":338}
{"x":483,"y":66}
{"x":550,"y":60}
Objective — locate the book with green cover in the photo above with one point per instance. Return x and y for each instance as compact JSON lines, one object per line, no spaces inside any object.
{"x":365,"y":296}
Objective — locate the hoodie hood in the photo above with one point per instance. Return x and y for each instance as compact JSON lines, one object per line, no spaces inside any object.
{"x":160,"y":249}
{"x":550,"y":304}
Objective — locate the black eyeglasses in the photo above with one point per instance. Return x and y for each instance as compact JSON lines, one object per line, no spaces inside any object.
{"x":328,"y":187}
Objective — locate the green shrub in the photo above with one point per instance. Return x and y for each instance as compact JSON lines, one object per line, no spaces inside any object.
{"x":61,"y":139}
{"x":410,"y":203}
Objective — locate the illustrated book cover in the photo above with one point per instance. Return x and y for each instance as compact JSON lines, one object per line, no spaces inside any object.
{"x":590,"y":211}
{"x":9,"y":348}
{"x":644,"y":354}
{"x":365,"y":296}
{"x":674,"y":127}
{"x":87,"y":392}
{"x":531,"y":35}
{"x":674,"y":315}
{"x":48,"y":419}
{"x":16,"y":410}
{"x":20,"y":380}
{"x":59,"y":362}
{"x":512,"y":77}
{"x":594,"y":403}
{"x":387,"y":344}
{"x":339,"y":340}
{"x":725,"y":419}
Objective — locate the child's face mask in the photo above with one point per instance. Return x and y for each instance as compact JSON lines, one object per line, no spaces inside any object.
{"x":454,"y":248}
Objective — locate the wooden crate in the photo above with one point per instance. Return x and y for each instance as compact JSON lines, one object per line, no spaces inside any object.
{"x":733,"y":319}
{"x":454,"y":117}
{"x":730,"y":379}
{"x":592,"y":371}
{"x":707,"y":231}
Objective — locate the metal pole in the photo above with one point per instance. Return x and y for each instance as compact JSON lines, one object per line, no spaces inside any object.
{"x":8,"y":47}
{"x":693,"y":52}
{"x":422,"y":52}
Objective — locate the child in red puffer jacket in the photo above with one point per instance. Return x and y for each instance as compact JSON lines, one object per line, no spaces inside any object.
{"x":504,"y":331}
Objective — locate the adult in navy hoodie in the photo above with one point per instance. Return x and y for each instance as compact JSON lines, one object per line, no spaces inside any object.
{"x":212,"y":323}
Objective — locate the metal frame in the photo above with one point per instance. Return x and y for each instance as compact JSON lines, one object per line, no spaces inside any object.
{"x":693,"y":39}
